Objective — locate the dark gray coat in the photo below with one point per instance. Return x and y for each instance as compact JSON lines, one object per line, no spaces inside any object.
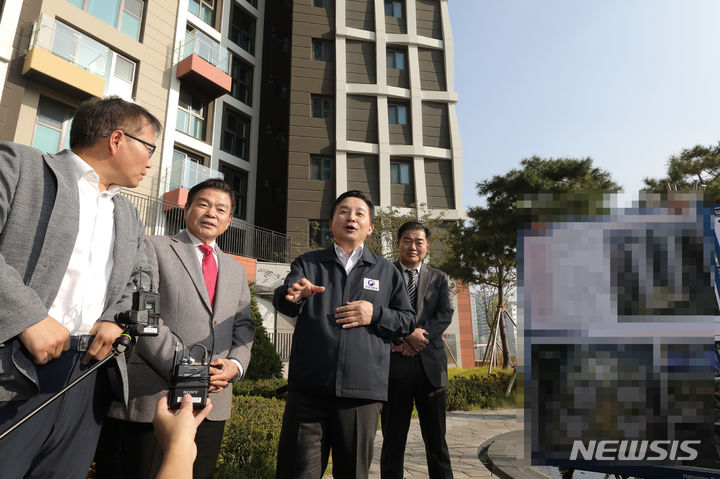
{"x":434,"y":315}
{"x":326,"y":359}
{"x":38,"y":226}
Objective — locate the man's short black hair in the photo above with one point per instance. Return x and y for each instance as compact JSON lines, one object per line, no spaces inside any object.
{"x":212,"y":184}
{"x":355,"y":194}
{"x":98,"y":117}
{"x":411,"y":226}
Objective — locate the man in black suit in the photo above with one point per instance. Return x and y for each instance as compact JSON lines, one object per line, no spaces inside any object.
{"x":418,"y":364}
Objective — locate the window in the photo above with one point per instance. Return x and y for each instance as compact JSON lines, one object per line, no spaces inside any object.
{"x":399,"y":173}
{"x":203,"y":9}
{"x":322,"y":50}
{"x":81,"y":50}
{"x":321,"y":106}
{"x":321,"y":3}
{"x":125,"y":15}
{"x":235,"y":134}
{"x":52,"y":126}
{"x":191,"y":114}
{"x":237,"y":179}
{"x":393,"y":8}
{"x":241,"y":74}
{"x":396,"y":59}
{"x":320,"y":234}
{"x":320,"y":168}
{"x":397,"y":114}
{"x":242,"y":29}
{"x":187,"y":170}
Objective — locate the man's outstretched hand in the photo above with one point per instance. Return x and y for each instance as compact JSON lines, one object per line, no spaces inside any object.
{"x":301,"y":290}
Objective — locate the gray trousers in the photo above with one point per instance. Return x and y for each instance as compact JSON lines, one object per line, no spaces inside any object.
{"x":313,"y":426}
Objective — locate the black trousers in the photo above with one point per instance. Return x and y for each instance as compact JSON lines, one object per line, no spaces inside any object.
{"x":313,"y":426}
{"x":59,"y":441}
{"x":403,"y":389}
{"x":129,"y":450}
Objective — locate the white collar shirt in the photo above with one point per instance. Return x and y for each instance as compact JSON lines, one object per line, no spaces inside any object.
{"x":406,"y":276}
{"x":81,"y":298}
{"x":349,"y":262}
{"x":196,"y":243}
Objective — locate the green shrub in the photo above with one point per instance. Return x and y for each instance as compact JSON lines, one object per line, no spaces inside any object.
{"x":264,"y":359}
{"x":249,"y":447}
{"x":266,"y":388}
{"x":466,"y":393}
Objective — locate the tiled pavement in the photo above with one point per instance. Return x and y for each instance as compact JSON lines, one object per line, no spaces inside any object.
{"x":466,"y":431}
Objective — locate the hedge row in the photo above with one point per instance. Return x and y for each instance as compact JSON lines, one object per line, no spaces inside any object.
{"x":249,"y":447}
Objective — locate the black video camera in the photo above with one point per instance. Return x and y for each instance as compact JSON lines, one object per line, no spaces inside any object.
{"x":192,"y":379}
{"x":144,"y":316}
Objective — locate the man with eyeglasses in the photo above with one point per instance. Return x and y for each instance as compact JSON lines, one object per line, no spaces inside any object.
{"x":71,"y":250}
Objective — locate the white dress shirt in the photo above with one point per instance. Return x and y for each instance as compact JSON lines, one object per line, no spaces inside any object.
{"x":349,"y":262}
{"x":196,"y":243}
{"x":81,"y":298}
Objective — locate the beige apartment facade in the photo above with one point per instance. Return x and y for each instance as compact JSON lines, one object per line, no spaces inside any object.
{"x":65,"y":51}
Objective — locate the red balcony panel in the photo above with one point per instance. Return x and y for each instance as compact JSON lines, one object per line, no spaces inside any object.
{"x":204,"y":76}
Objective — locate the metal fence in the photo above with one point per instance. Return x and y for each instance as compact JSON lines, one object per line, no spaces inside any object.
{"x":282,"y":342}
{"x":241,"y":238}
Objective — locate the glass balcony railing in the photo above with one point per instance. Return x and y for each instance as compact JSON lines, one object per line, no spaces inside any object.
{"x":80,"y":50}
{"x":206,"y":48}
{"x":186,"y":173}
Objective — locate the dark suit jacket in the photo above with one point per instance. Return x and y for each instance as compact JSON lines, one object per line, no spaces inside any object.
{"x":434,"y":314}
{"x":327,"y":359}
{"x":38,"y":225}
{"x":185,"y":311}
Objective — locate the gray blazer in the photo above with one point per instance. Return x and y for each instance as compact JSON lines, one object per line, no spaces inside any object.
{"x":185,"y":311}
{"x":39,"y":218}
{"x":434,"y":314}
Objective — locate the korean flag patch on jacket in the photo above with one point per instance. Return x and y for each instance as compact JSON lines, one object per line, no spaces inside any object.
{"x":371,"y":284}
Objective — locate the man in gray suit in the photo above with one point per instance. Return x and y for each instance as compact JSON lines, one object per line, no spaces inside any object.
{"x":71,"y":250}
{"x":193,"y":311}
{"x":418,"y":365}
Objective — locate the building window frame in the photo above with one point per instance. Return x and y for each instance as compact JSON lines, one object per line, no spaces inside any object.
{"x":394,"y":8}
{"x":319,"y":233}
{"x":235,"y":138}
{"x":192,"y":112}
{"x":322,"y":3}
{"x":59,"y":125}
{"x":321,"y":106}
{"x":239,"y":186}
{"x":127,"y":11}
{"x":397,"y":113}
{"x":399,"y":173}
{"x":320,"y":167}
{"x":205,"y":10}
{"x":242,"y":29}
{"x":241,"y":88}
{"x":322,"y":50}
{"x":396,"y":58}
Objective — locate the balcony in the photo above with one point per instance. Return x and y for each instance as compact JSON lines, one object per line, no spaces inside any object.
{"x":241,"y":238}
{"x":204,"y":65}
{"x":66,"y":59}
{"x":183,"y":175}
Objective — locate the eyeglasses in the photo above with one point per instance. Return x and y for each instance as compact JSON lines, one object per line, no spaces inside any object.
{"x":150,"y":147}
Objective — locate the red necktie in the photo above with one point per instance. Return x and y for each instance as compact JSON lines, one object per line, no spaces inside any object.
{"x":209,"y":271}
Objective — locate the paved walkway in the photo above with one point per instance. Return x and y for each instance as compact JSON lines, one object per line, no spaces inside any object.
{"x":466,"y":431}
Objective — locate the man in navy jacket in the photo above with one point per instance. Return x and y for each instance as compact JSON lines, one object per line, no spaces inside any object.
{"x":349,"y":303}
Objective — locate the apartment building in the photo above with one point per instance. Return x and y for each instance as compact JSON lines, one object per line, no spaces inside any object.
{"x":65,"y":51}
{"x":194,"y":64}
{"x":363,"y":90}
